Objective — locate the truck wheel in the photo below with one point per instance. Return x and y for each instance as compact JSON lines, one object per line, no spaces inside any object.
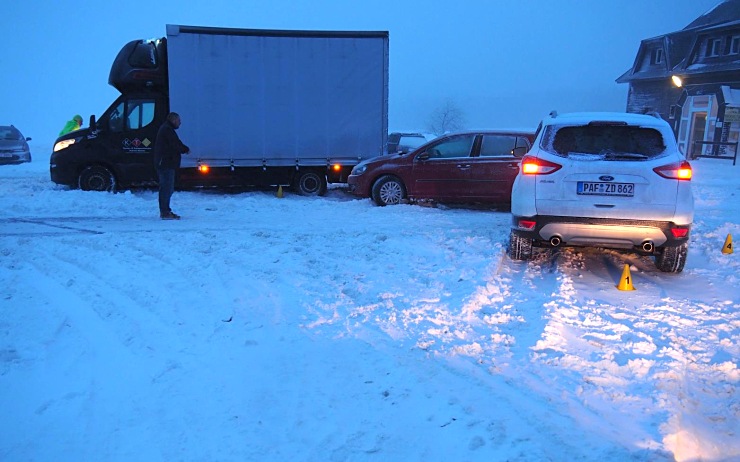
{"x":388,"y":190}
{"x":97,"y":178}
{"x":519,"y":248}
{"x":311,"y":184}
{"x":672,"y":259}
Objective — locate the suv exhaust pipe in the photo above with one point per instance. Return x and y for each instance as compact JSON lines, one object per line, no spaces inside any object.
{"x":555,"y":241}
{"x":648,"y":246}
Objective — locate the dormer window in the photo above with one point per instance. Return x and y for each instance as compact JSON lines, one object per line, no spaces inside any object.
{"x":656,"y":56}
{"x":733,"y":45}
{"x":714,"y":46}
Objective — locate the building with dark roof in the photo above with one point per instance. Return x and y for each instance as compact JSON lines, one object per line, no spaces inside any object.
{"x":692,"y":79}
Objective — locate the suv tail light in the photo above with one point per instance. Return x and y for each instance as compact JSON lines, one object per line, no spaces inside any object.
{"x":535,"y":166}
{"x":675,"y":171}
{"x":680,"y":232}
{"x":526,"y":224}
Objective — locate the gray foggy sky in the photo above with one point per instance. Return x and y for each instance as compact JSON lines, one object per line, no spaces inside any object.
{"x":505,"y":64}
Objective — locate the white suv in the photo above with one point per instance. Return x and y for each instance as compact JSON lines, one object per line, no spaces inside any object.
{"x":611,"y":180}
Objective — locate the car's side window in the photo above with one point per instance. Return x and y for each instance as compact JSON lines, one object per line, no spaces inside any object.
{"x":522,"y":142}
{"x":458,"y":146}
{"x":497,"y":146}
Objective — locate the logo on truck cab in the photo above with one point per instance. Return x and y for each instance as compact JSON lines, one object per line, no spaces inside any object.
{"x":136,"y":145}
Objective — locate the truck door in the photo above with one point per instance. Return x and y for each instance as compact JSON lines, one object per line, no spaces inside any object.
{"x":131,"y":126}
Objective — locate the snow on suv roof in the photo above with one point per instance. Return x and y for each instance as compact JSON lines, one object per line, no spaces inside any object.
{"x":586,"y":117}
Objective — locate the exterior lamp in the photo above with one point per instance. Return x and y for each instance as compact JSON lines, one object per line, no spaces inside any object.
{"x":677,"y":81}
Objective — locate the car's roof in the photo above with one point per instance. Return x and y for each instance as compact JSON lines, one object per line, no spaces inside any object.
{"x":491,"y":132}
{"x":10,"y":129}
{"x":586,"y":117}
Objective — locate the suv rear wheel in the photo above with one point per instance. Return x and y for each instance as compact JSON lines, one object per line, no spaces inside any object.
{"x":519,"y":248}
{"x":672,"y":259}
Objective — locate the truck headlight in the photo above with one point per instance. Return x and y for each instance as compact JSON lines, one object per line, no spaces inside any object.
{"x":63,"y":144}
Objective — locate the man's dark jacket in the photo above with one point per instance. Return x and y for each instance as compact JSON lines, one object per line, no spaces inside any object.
{"x":168,"y":148}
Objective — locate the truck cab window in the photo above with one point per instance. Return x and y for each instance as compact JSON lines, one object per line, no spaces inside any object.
{"x":131,"y":115}
{"x":140,"y":113}
{"x":115,"y":123}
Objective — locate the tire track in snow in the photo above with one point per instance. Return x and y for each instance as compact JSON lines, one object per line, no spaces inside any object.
{"x":626,"y":351}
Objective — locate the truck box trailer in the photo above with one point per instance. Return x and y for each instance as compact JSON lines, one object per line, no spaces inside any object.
{"x":259,"y":107}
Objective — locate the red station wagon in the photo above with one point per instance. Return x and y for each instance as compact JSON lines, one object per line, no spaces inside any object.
{"x":475,"y":166}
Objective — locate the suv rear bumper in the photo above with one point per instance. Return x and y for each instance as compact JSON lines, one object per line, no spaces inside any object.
{"x":643,"y":236}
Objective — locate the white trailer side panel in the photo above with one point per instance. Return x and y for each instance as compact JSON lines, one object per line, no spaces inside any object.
{"x":279,"y":97}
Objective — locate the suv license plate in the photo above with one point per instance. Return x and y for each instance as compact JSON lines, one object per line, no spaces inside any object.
{"x":606,"y":189}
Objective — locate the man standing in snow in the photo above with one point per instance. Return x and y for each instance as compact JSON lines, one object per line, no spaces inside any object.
{"x":167,"y":155}
{"x":72,"y":125}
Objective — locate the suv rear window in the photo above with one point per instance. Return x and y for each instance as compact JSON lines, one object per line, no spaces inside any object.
{"x":604,"y":140}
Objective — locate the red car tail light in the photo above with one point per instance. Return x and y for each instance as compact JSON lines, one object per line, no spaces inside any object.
{"x":679,"y":233}
{"x":675,"y":171}
{"x":535,"y":166}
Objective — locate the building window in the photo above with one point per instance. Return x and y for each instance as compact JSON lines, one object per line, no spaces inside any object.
{"x":733,"y":45}
{"x":674,"y":112}
{"x":656,"y":56}
{"x":714,"y":47}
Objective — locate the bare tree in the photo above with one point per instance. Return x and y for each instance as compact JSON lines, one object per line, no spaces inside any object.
{"x":446,"y":118}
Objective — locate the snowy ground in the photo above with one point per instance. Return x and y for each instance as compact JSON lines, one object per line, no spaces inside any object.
{"x":328,"y":329}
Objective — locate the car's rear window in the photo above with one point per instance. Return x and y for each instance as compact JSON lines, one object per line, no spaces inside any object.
{"x":609,"y":140}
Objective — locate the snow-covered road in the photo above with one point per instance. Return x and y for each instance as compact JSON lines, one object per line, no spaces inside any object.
{"x":259,"y":328}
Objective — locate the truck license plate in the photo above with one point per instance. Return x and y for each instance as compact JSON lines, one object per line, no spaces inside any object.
{"x":606,"y":189}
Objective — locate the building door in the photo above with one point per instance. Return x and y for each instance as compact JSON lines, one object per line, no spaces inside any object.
{"x":697,"y":131}
{"x":698,"y":123}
